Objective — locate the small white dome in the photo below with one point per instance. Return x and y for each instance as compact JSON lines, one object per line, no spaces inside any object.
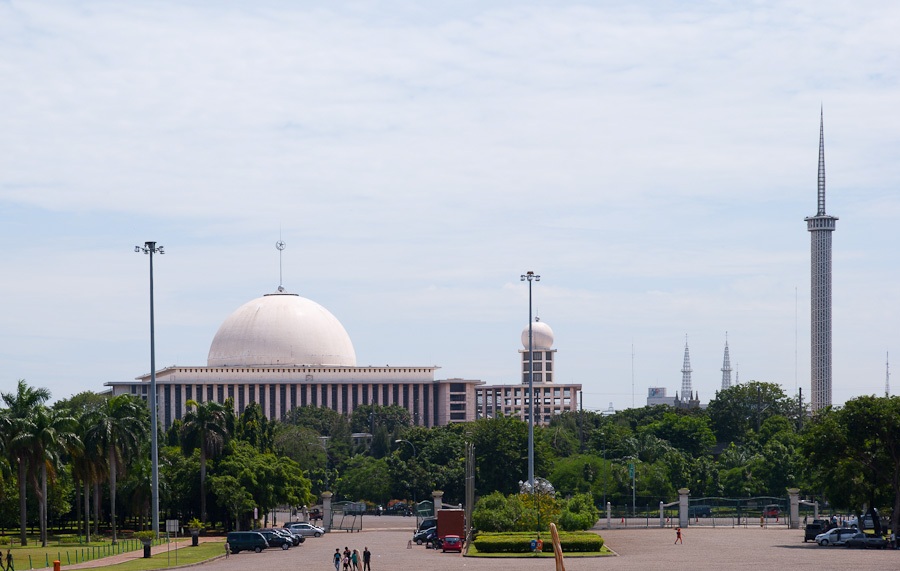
{"x":281,"y":329}
{"x":541,"y":336}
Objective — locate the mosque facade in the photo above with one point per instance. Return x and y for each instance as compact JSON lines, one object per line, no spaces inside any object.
{"x":284,"y":351}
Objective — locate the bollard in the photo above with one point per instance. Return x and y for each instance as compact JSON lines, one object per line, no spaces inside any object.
{"x":56,"y":565}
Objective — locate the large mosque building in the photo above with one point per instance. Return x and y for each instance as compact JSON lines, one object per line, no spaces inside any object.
{"x":284,"y":351}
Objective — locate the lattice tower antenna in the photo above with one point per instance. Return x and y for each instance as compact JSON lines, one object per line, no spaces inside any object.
{"x":726,"y":367}
{"x":686,"y":390}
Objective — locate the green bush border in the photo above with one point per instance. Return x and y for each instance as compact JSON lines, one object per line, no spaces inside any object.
{"x":519,"y":543}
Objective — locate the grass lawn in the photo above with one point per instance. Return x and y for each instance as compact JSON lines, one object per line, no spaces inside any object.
{"x":36,"y":557}
{"x":186,"y":556}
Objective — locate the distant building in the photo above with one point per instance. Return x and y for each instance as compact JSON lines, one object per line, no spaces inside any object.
{"x":550,"y":398}
{"x":657,"y":396}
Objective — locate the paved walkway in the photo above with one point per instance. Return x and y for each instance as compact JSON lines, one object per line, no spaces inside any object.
{"x":704,"y":549}
{"x":156,"y":550}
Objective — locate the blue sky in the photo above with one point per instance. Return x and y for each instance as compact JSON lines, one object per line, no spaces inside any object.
{"x":652,"y":161}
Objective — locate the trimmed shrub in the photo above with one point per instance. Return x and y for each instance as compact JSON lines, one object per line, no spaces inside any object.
{"x":521,"y":543}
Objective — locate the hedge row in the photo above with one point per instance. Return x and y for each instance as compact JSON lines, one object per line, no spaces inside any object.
{"x":521,"y":542}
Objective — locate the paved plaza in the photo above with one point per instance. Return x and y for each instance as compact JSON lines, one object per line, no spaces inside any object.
{"x":644,"y":549}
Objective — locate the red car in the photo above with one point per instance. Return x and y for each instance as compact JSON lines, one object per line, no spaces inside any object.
{"x":451,"y":543}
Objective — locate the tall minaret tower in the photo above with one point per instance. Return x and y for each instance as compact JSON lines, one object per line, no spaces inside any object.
{"x":726,"y":367}
{"x":887,"y":374}
{"x":820,"y":227}
{"x":686,"y":391}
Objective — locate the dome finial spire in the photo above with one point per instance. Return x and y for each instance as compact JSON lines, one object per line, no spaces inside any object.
{"x":280,"y":246}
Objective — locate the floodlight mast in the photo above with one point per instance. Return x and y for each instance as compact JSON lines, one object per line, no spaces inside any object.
{"x":530,"y":277}
{"x":151,"y":248}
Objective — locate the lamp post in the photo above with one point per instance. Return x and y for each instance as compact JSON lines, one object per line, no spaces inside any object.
{"x":151,"y":248}
{"x":530,"y":277}
{"x":415,"y":503}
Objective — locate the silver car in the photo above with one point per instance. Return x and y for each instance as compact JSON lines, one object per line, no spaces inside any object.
{"x":835,"y":536}
{"x":305,"y":529}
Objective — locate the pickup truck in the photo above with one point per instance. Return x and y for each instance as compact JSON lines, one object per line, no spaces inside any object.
{"x":814,"y":528}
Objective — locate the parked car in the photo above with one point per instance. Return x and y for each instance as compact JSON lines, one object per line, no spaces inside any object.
{"x":451,"y":543}
{"x":296,"y":538}
{"x":246,"y":541}
{"x":814,"y":528}
{"x":864,"y":540}
{"x":425,"y":535}
{"x":304,"y":529}
{"x":772,"y":511}
{"x":314,"y":514}
{"x":836,"y":536}
{"x":428,"y":522}
{"x":275,"y":539}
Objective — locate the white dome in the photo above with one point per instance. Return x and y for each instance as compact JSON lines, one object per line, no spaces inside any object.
{"x":281,"y":329}
{"x":541,"y":336}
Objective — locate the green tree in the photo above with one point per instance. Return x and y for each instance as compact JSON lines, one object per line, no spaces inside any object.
{"x":740,"y":410}
{"x":47,"y":434}
{"x":117,"y":429}
{"x":205,"y":427}
{"x":87,"y":462}
{"x":579,"y":513}
{"x":577,"y":474}
{"x":857,"y":451}
{"x":366,"y":478}
{"x":231,"y":495}
{"x":368,"y":416}
{"x":501,"y":454}
{"x":497,"y":512}
{"x":253,"y":427}
{"x":21,"y":407}
{"x":690,"y":434}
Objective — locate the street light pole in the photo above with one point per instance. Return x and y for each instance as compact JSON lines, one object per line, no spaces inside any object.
{"x":529,"y":277}
{"x":415,"y":503}
{"x":151,"y":248}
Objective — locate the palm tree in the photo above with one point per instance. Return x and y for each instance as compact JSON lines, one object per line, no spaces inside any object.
{"x":49,"y":434}
{"x":85,"y":466}
{"x":21,"y":406}
{"x":206,"y":428}
{"x":116,"y":429}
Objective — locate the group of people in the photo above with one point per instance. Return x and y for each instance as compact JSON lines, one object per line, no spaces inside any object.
{"x":351,"y":560}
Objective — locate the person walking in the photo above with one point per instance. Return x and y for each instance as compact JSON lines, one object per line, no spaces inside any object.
{"x":337,"y":559}
{"x":367,"y":558}
{"x":346,"y":558}
{"x":678,"y":536}
{"x":354,"y":560}
{"x":227,"y":549}
{"x":9,"y":560}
